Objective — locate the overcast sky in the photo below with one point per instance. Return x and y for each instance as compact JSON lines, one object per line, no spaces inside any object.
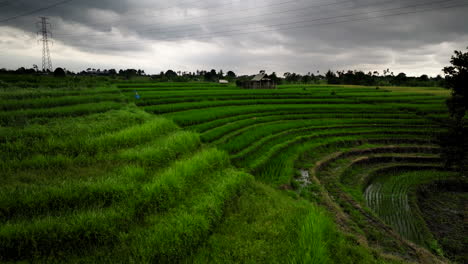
{"x":412,"y":36}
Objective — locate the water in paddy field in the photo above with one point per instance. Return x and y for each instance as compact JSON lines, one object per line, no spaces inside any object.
{"x":304,"y":179}
{"x":388,"y":198}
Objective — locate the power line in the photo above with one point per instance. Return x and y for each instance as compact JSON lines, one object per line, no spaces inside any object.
{"x":238,"y":11}
{"x":138,"y":12}
{"x":360,"y":19}
{"x":208,"y":16}
{"x":221,"y":20}
{"x":213,"y":34}
{"x":200,"y":17}
{"x":187,"y":27}
{"x":34,"y":11}
{"x":281,"y":12}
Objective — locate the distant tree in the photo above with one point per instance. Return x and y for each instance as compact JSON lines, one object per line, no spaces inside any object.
{"x":454,"y":142}
{"x":128,"y":73}
{"x":211,"y":76}
{"x":275,"y":78}
{"x":112,"y":72}
{"x":220,"y":74}
{"x":293,"y":78}
{"x":21,"y":70}
{"x":170,"y":74}
{"x":331,"y":77}
{"x":348,"y":78}
{"x":424,"y":78}
{"x":231,"y":74}
{"x":400,"y":79}
{"x":457,"y":81}
{"x":59,"y":72}
{"x":306,"y":79}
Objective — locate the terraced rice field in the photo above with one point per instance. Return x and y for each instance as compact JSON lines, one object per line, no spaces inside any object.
{"x":86,"y":174}
{"x":347,"y":136}
{"x":260,"y":127}
{"x":190,"y":172}
{"x":390,"y":196}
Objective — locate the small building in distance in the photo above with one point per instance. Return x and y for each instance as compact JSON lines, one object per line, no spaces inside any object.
{"x":260,"y":81}
{"x":223,"y":81}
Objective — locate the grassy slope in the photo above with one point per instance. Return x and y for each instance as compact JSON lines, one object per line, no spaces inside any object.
{"x":267,"y":226}
{"x":112,"y":184}
{"x":267,"y":136}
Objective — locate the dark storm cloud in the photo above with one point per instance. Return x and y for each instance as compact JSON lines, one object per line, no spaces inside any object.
{"x":287,"y":35}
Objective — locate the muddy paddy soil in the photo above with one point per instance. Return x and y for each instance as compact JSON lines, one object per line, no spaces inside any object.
{"x":445,"y":210}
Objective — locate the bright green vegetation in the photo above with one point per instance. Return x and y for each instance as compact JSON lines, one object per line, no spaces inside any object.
{"x":89,"y":177}
{"x":196,"y":172}
{"x":346,"y":135}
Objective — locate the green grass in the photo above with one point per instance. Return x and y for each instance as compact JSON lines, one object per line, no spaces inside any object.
{"x":197,"y":116}
{"x":45,"y":102}
{"x":89,"y":174}
{"x":163,"y":150}
{"x":22,"y":117}
{"x":266,"y":134}
{"x":176,"y":234}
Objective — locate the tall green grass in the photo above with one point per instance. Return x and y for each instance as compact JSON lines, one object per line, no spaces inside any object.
{"x":88,"y":177}
{"x":9,"y":105}
{"x":166,"y":189}
{"x":21,"y":117}
{"x":178,"y":233}
{"x":130,"y":136}
{"x":163,"y":150}
{"x":65,"y":135}
{"x":54,"y":236}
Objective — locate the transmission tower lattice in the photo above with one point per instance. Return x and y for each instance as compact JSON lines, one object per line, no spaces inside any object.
{"x":45,"y":32}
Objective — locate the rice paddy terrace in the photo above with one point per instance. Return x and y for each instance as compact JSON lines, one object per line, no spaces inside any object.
{"x":369,"y":148}
{"x":209,"y":173}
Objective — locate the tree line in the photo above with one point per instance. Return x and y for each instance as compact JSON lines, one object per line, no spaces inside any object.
{"x":386,"y":78}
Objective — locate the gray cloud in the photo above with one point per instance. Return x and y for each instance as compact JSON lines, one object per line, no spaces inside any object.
{"x":285,"y":35}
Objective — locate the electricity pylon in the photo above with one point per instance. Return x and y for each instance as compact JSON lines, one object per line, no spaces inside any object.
{"x":45,"y":32}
